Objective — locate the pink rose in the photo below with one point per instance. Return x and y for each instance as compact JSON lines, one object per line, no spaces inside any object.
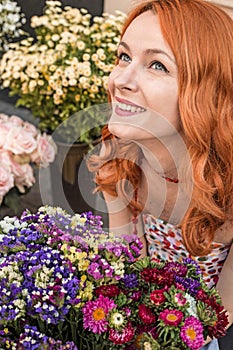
{"x":25,"y":177}
{"x":45,"y":152}
{"x":6,"y":180}
{"x":3,"y":118}
{"x":30,"y":128}
{"x":4,"y":130}
{"x":19,"y":141}
{"x":15,"y":120}
{"x":5,"y":159}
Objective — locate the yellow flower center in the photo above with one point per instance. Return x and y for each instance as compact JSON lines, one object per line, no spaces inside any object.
{"x":98,"y":314}
{"x":191,"y":333}
{"x":171,"y":317}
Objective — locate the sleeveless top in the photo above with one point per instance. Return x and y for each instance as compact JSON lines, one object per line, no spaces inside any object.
{"x":165,"y":243}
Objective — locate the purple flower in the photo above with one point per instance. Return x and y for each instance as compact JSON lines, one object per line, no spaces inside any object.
{"x":176,"y":268}
{"x":189,"y":284}
{"x":130,"y":280}
{"x":189,"y":261}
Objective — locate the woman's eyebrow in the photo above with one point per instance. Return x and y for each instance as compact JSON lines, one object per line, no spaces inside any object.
{"x":150,"y":51}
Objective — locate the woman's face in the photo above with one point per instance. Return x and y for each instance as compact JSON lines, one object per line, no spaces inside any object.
{"x":143,"y":86}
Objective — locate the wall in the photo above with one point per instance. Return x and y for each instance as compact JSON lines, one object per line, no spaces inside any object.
{"x":125,"y":5}
{"x":111,"y":5}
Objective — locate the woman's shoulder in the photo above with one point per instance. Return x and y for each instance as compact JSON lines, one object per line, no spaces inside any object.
{"x":224,"y":234}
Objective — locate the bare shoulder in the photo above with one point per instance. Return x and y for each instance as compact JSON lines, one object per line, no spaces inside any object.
{"x":224,"y":233}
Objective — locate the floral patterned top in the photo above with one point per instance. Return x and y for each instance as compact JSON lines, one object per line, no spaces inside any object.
{"x":165,"y":243}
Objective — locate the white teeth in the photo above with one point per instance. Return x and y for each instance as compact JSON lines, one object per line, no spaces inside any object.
{"x":130,"y":108}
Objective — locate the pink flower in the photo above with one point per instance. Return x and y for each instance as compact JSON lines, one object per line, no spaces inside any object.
{"x":95,"y":314}
{"x":45,"y":152}
{"x":4,"y":130}
{"x":15,"y":120}
{"x":21,"y":144}
{"x":122,"y":336}
{"x":25,"y":177}
{"x":6,"y":181}
{"x":192,"y":333}
{"x":3,"y":117}
{"x":30,"y":128}
{"x":180,"y":299}
{"x":171,"y":317}
{"x":19,"y":141}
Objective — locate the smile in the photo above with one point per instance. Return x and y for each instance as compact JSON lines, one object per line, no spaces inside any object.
{"x":130,"y":108}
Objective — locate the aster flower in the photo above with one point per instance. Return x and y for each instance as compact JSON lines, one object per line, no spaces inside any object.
{"x":117,"y":319}
{"x":145,"y":314}
{"x":176,"y":268}
{"x":192,"y":333}
{"x":122,"y":336}
{"x":171,"y":317}
{"x":110,"y":290}
{"x":95,"y":314}
{"x":157,"y":296}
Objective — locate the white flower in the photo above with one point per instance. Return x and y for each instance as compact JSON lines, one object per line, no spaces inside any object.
{"x":117,"y":320}
{"x":192,"y":310}
{"x":11,"y":22}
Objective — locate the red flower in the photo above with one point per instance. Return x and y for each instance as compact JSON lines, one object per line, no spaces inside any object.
{"x":165,"y":278}
{"x":149,"y":275}
{"x":109,"y":291}
{"x":201,"y":295}
{"x":122,"y":336}
{"x":157,"y":296}
{"x":158,"y":276}
{"x":219,"y":329}
{"x":145,"y":314}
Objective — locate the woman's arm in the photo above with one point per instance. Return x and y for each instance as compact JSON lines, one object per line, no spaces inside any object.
{"x":225,"y":285}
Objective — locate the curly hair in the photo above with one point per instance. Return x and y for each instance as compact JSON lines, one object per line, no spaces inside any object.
{"x":200,"y":36}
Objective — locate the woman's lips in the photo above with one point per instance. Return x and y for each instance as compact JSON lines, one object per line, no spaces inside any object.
{"x":124,"y":108}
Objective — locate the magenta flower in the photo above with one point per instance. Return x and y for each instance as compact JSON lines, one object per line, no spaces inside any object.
{"x":122,"y":336}
{"x":171,"y":317}
{"x":95,"y":314}
{"x":192,"y":333}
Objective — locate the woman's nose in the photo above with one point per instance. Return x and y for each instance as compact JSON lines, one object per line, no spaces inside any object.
{"x":127,"y":79}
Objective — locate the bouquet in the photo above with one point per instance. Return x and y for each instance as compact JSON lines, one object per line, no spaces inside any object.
{"x":22,"y":145}
{"x":11,"y":21}
{"x":65,"y":68}
{"x":65,"y":283}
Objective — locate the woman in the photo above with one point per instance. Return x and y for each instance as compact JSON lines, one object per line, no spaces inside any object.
{"x":165,"y":166}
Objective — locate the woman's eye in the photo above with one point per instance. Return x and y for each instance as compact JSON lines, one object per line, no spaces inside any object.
{"x":124,"y":57}
{"x":159,"y":66}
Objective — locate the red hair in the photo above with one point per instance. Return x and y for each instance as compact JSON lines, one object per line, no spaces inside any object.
{"x":200,"y":36}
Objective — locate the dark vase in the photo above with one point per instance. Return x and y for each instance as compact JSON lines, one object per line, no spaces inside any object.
{"x":72,"y":185}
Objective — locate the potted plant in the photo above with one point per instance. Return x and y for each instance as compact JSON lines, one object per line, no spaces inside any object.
{"x":64,"y":68}
{"x":59,"y":75}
